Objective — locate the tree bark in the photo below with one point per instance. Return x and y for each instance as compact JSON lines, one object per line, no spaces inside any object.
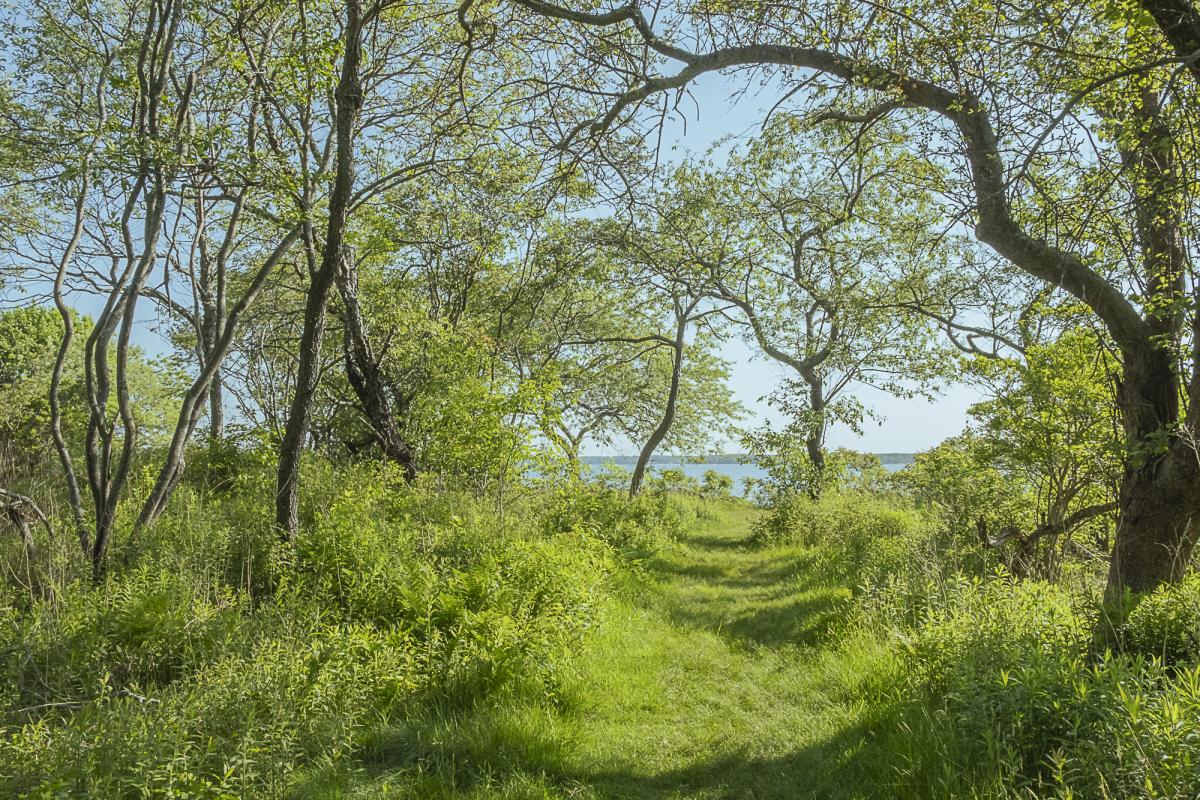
{"x":1180,"y":25}
{"x":348,"y":97}
{"x":814,"y":443}
{"x":365,"y":374}
{"x":216,"y":410}
{"x":668,"y":417}
{"x":74,"y":496}
{"x":1157,"y":528}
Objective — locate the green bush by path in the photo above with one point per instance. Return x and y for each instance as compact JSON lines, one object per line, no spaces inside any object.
{"x":213,"y":662}
{"x":997,"y":686}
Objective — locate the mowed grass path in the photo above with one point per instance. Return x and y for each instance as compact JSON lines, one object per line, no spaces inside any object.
{"x":715,"y":674}
{"x":714,"y":681}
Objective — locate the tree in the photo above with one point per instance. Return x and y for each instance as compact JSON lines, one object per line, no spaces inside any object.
{"x":348,"y":101}
{"x":662,"y":255}
{"x":974,"y":87}
{"x":1048,"y":424}
{"x":825,"y":253}
{"x":593,"y":315}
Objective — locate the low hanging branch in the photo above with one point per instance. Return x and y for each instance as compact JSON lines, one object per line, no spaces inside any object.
{"x":19,"y":504}
{"x":1056,"y":528}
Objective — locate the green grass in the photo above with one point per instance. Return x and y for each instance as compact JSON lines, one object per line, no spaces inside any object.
{"x":717,"y":671}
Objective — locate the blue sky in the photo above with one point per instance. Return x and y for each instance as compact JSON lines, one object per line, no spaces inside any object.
{"x":905,"y":425}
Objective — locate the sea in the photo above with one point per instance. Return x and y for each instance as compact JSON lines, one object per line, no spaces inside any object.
{"x":738,"y":471}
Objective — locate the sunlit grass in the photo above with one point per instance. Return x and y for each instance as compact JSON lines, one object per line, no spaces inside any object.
{"x":717,"y":672}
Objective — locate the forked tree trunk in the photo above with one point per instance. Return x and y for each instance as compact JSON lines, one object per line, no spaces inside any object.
{"x":366,"y":376}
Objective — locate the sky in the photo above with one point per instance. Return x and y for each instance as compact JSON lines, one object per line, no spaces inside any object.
{"x":902,"y":425}
{"x":899,"y":425}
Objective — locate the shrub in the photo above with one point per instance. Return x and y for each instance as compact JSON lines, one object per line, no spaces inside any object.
{"x":1004,"y":698}
{"x":1166,"y":624}
{"x":864,"y":537}
{"x":640,"y":526}
{"x":716,"y":485}
{"x":181,"y":676}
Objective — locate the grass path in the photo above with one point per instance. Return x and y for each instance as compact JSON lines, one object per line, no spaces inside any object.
{"x":715,"y":674}
{"x":712,"y":681}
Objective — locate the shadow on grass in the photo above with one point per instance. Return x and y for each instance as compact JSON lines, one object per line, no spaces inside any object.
{"x":773,"y":601}
{"x":841,"y":766}
{"x":481,"y":757}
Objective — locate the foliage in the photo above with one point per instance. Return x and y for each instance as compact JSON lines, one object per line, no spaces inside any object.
{"x":29,"y":340}
{"x":1048,"y":424}
{"x":182,"y":674}
{"x":1166,"y":624}
{"x":714,"y":484}
{"x":640,"y":526}
{"x":958,"y":483}
{"x":1006,"y":685}
{"x":863,"y":537}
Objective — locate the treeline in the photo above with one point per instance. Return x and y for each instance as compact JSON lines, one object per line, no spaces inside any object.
{"x":249,"y":247}
{"x":366,"y":223}
{"x":729,"y":458}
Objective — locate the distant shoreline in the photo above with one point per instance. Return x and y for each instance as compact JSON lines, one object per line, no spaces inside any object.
{"x":723,"y":458}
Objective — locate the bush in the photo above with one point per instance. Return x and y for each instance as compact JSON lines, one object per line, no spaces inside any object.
{"x":1166,"y":624}
{"x":214,"y":662}
{"x":641,"y":526}
{"x":864,"y":537}
{"x":1003,"y":697}
{"x":716,"y":485}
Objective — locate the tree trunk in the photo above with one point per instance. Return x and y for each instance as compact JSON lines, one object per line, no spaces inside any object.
{"x":366,"y":377}
{"x":349,"y":99}
{"x":1157,"y":526}
{"x":668,"y":418}
{"x":201,"y":388}
{"x":216,"y":410}
{"x":74,"y":496}
{"x":1160,"y":489}
{"x":814,"y":443}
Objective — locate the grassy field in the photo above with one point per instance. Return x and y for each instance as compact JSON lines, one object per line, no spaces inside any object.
{"x":713,"y":674}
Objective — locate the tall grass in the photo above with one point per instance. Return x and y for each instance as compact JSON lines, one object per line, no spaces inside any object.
{"x":214,"y":661}
{"x":999,"y":687}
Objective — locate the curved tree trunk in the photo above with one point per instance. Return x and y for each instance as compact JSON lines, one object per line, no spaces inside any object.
{"x":74,"y":496}
{"x":202,"y":387}
{"x":668,"y":417}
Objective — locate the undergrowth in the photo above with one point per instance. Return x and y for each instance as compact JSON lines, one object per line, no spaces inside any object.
{"x":1002,"y":687}
{"x":420,"y":643}
{"x":215,"y":661}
